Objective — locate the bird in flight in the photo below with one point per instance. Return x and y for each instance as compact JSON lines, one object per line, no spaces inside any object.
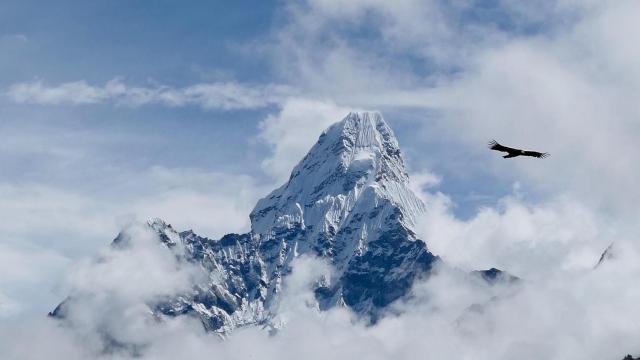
{"x":511,"y":152}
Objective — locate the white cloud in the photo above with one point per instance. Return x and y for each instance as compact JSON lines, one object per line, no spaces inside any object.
{"x":376,"y":53}
{"x":49,"y":216}
{"x":29,"y":272}
{"x":210,"y":203}
{"x":291,"y":133}
{"x":563,"y":86}
{"x":219,"y":95}
{"x":297,"y":294}
{"x":557,"y":96}
{"x":13,"y":39}
{"x":8,"y":306}
{"x":142,"y":271}
{"x":109,"y":294}
{"x":589,"y":314}
{"x":45,"y":228}
{"x":533,"y":241}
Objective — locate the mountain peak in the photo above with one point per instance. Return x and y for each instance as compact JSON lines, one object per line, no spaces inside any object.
{"x":368,"y":129}
{"x":351,"y":179}
{"x":348,"y":201}
{"x":360,"y":140}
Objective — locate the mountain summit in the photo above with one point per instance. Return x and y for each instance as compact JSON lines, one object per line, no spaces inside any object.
{"x":343,"y":192}
{"x":348,"y":201}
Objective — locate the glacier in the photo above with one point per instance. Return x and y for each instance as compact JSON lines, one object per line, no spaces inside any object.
{"x":348,"y":201}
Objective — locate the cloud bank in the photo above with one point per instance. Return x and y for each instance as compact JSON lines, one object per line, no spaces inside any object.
{"x":567,"y":315}
{"x":46,"y":228}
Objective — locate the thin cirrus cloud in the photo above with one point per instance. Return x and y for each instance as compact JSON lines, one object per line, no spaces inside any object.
{"x":216,"y":95}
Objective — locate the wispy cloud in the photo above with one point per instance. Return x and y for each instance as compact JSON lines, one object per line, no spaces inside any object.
{"x":209,"y":96}
{"x":292,"y":132}
{"x":14,"y":38}
{"x":44,"y":228}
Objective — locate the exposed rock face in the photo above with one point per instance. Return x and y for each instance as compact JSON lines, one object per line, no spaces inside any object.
{"x":493,"y":276}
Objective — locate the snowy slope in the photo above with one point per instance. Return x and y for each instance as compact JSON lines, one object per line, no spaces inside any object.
{"x":343,"y":191}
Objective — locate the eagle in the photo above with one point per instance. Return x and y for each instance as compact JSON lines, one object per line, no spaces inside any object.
{"x":511,"y":152}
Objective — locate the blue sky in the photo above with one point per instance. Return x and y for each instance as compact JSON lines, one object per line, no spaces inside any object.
{"x":167,"y":43}
{"x":120,"y":110}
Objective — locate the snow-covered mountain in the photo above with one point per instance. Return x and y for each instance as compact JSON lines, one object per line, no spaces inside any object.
{"x":347,"y":201}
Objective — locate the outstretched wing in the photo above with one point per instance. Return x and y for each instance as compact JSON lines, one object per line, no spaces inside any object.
{"x":493,"y":145}
{"x":536,"y":154}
